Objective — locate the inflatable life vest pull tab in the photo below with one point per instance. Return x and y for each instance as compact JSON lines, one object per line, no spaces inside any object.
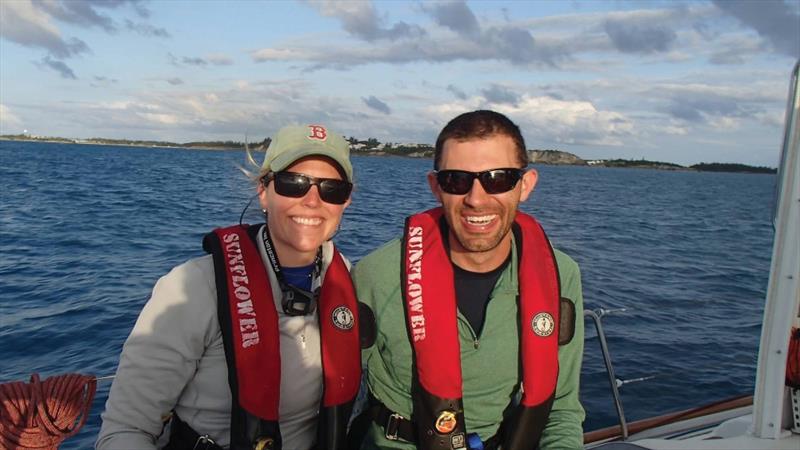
{"x":367,"y":329}
{"x":566,"y":313}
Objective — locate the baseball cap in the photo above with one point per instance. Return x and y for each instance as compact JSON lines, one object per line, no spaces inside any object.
{"x":294,"y":142}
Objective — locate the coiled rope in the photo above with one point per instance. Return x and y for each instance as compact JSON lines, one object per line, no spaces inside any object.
{"x":42,"y":414}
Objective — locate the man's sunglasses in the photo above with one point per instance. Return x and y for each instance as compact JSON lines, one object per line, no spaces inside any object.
{"x":291,"y":184}
{"x":495,"y":181}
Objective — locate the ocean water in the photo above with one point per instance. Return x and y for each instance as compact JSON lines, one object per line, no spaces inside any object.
{"x":85,"y":231}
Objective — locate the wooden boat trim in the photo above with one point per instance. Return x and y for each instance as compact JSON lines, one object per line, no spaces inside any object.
{"x":615,"y":431}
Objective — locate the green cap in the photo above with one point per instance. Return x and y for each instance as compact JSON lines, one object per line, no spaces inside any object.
{"x":298,"y":141}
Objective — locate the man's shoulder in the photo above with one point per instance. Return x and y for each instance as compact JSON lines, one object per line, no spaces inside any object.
{"x":565,"y":262}
{"x":381,"y":256}
{"x":380,"y":265}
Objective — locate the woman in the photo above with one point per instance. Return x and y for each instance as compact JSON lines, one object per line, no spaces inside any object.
{"x":255,"y":345}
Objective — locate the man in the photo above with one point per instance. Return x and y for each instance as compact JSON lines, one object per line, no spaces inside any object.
{"x":477,"y":342}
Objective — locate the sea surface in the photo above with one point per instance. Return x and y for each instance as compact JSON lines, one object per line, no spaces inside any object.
{"x":86,"y":230}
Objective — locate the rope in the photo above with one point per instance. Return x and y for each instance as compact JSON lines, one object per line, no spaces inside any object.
{"x":42,"y":414}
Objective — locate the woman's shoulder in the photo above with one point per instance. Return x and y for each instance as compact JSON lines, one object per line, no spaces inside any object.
{"x":200,"y":266}
{"x":194,"y":269}
{"x":188,"y":285}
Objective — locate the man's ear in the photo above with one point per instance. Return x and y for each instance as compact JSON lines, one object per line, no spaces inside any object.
{"x":434,"y":185}
{"x":529,"y":179}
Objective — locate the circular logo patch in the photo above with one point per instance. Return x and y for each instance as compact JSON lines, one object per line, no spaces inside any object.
{"x":343,"y":318}
{"x":446,"y":422}
{"x":543,"y":324}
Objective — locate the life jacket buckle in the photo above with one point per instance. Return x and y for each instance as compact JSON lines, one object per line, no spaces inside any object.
{"x":392,"y":427}
{"x":203,"y":442}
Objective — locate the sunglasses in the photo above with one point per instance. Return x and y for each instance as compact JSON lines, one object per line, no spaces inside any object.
{"x":296,"y":185}
{"x":495,"y":181}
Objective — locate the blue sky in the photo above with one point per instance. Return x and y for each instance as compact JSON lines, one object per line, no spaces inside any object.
{"x":677,"y":81}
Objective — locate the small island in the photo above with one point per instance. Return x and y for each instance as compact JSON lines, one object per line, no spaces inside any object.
{"x":373,"y":147}
{"x":727,"y":167}
{"x":557,"y":157}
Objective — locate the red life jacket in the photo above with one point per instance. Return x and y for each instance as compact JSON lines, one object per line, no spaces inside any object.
{"x":249,"y":323}
{"x":430,"y":301}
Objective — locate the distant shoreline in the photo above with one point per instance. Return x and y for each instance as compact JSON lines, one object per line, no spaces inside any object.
{"x":121,"y":144}
{"x":544,"y":157}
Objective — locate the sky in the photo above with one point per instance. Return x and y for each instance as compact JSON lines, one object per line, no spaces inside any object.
{"x":676,"y":81}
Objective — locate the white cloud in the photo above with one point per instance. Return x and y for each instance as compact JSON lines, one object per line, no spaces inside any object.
{"x":675,"y":130}
{"x":162,"y":118}
{"x":282,"y":54}
{"x":219,"y":59}
{"x":361,"y":20}
{"x":27,"y":25}
{"x":773,"y":119}
{"x":34,"y":25}
{"x":22,"y":13}
{"x":546,"y":119}
{"x":596,"y":79}
{"x":9,"y":122}
{"x":724,"y":123}
{"x":570,"y":121}
{"x":674,"y":33}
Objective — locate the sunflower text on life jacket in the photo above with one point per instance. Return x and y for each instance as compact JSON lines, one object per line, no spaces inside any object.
{"x":414,"y":287}
{"x":246,"y":316}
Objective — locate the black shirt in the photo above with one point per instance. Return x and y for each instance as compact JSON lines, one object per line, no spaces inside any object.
{"x":473,"y":291}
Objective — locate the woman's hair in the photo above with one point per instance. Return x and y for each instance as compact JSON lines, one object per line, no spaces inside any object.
{"x":253,"y":170}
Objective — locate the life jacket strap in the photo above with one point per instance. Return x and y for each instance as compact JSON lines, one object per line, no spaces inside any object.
{"x":396,"y":427}
{"x":183,"y":437}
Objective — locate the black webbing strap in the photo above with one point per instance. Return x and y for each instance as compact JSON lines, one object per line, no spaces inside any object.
{"x":397,"y":427}
{"x":394,"y":425}
{"x":183,"y":437}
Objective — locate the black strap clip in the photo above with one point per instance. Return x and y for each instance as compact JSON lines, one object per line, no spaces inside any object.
{"x":392,"y":427}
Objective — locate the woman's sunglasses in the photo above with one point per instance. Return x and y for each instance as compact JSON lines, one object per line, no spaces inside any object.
{"x":495,"y":181}
{"x":291,"y":184}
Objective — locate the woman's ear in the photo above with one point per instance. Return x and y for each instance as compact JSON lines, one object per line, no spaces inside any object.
{"x":262,"y":195}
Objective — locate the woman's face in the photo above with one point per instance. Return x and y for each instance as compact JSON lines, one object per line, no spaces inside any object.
{"x":298,"y":226}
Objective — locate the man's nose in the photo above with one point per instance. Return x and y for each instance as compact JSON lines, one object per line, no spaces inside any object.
{"x":477,"y":195}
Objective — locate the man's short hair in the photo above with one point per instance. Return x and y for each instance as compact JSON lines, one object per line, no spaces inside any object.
{"x":481,"y":124}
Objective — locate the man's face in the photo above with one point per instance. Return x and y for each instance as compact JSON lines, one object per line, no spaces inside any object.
{"x":480,"y":222}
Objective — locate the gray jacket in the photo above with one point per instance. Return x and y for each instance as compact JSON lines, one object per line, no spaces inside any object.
{"x":174,"y":360}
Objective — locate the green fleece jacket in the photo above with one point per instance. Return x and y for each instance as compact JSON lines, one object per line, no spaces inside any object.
{"x":489,"y":361}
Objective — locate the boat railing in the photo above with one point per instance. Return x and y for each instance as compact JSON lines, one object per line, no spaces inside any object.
{"x":615,"y":383}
